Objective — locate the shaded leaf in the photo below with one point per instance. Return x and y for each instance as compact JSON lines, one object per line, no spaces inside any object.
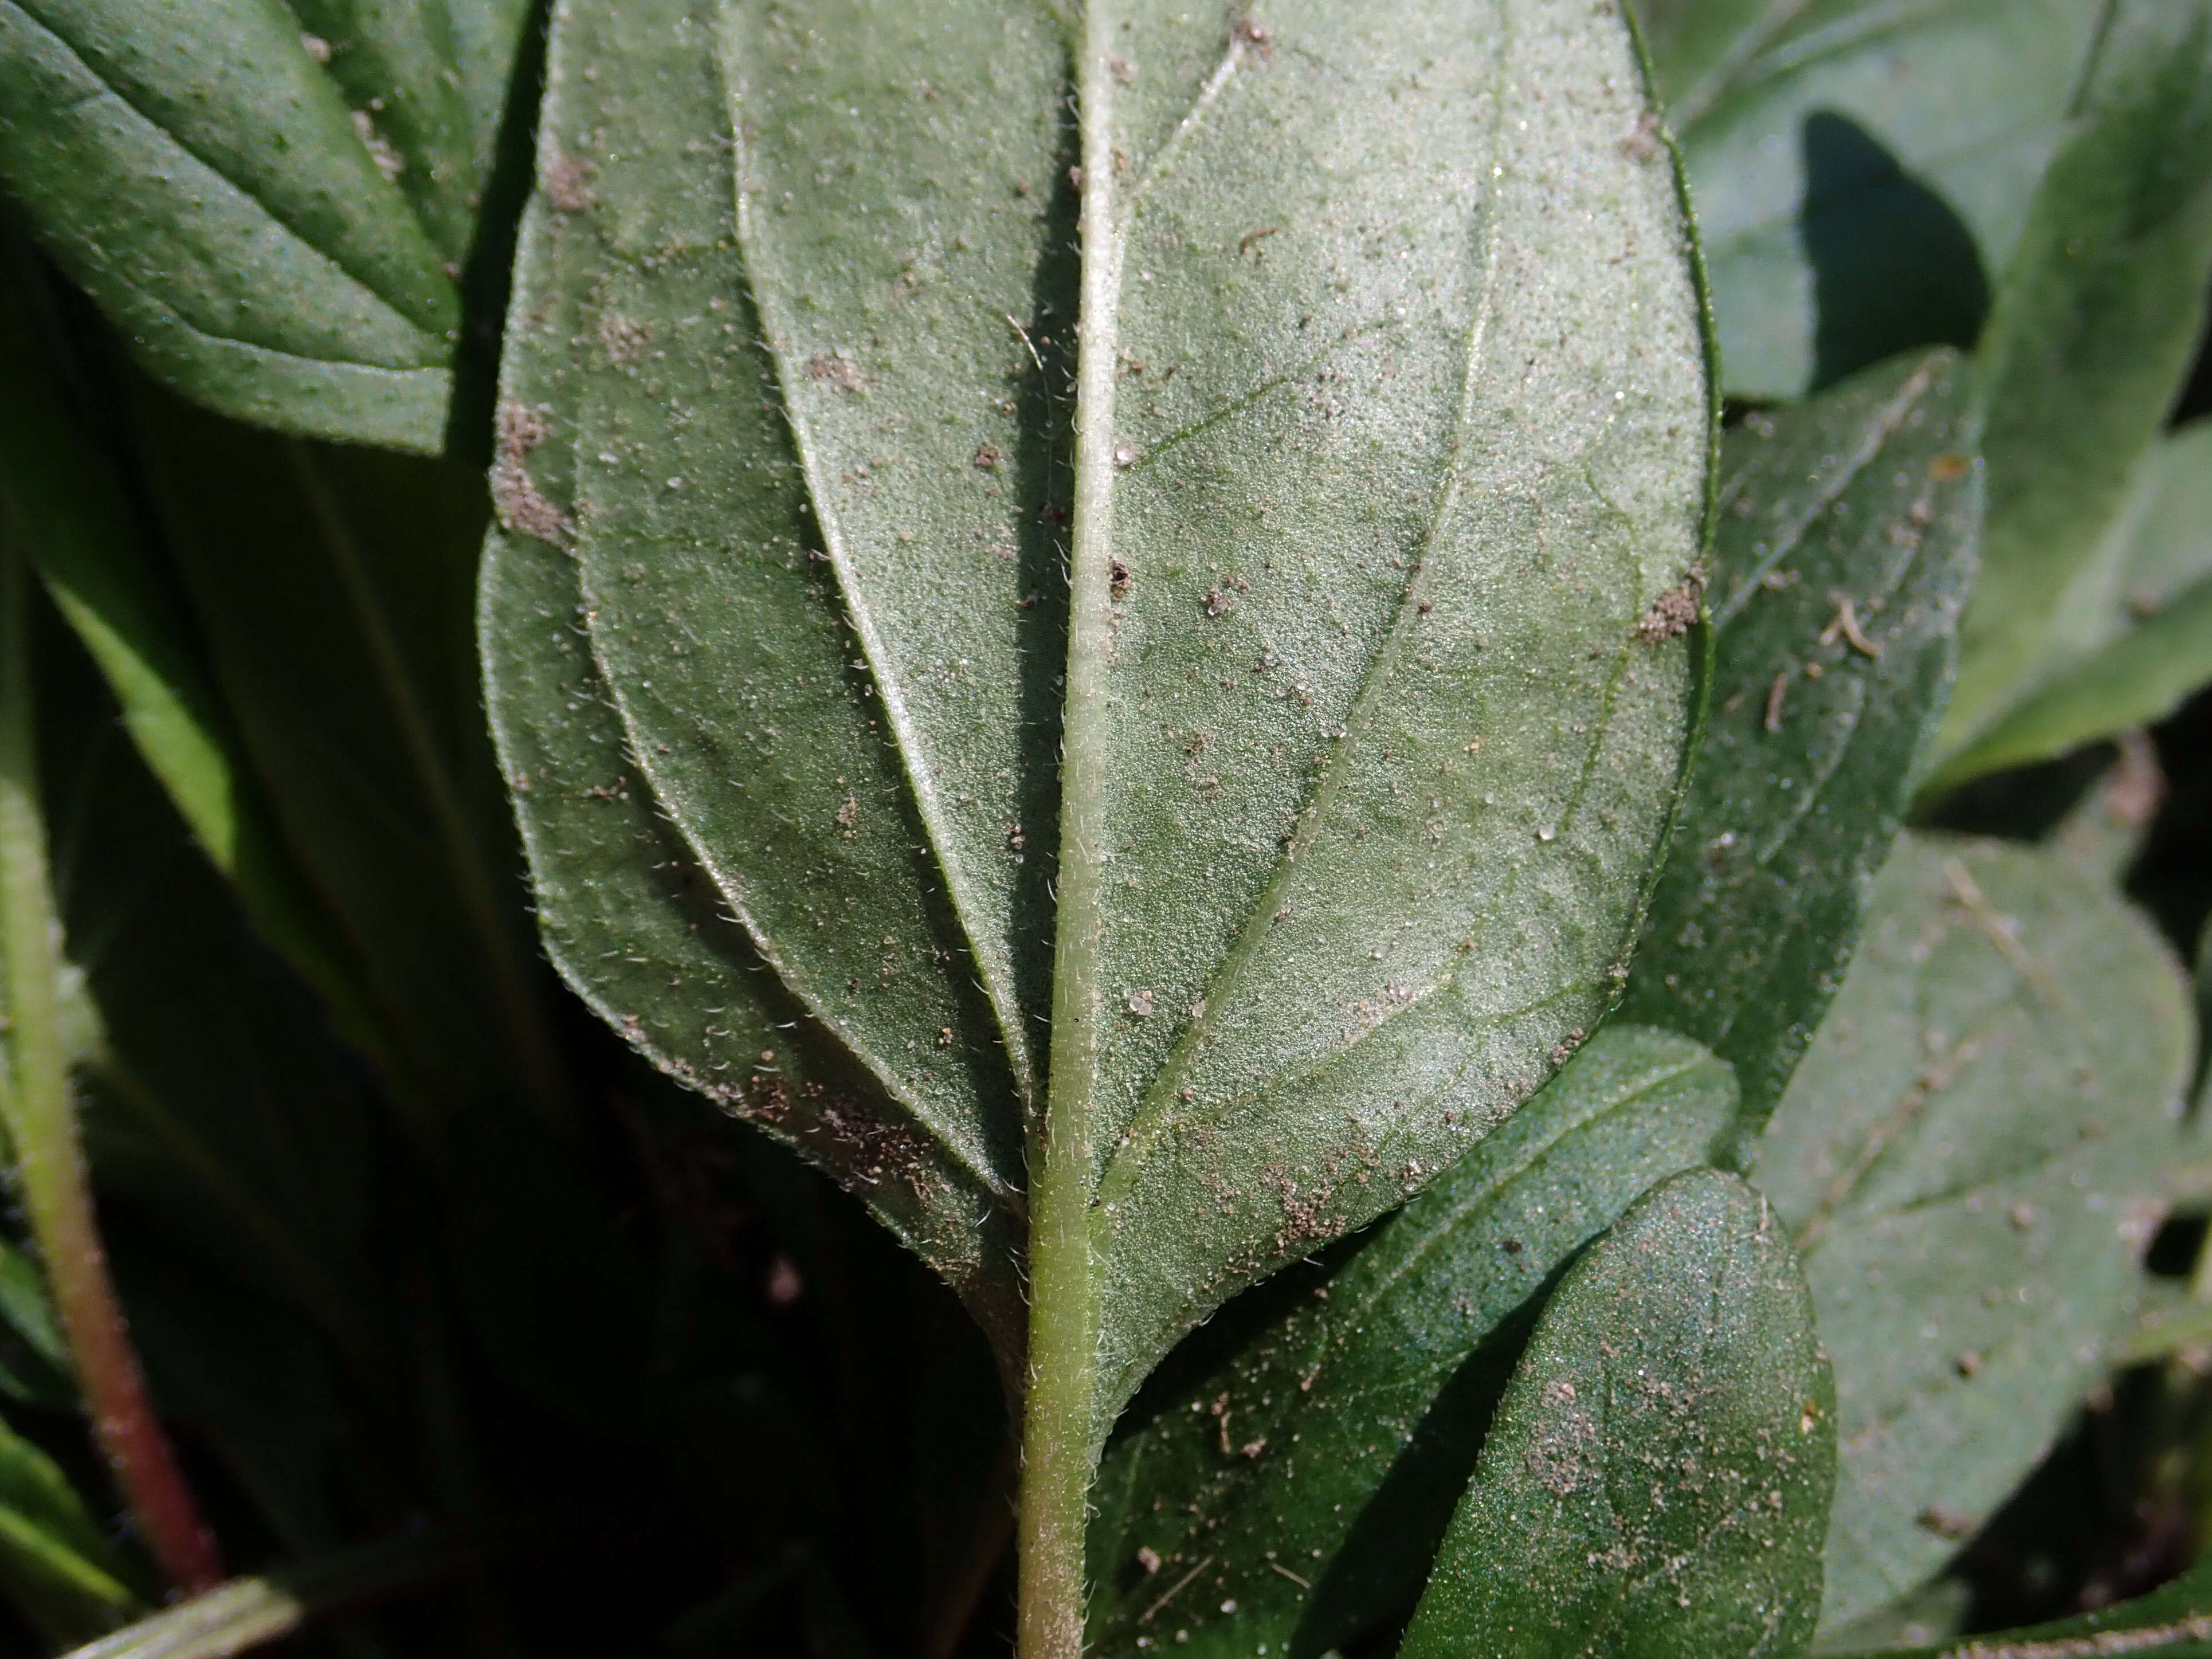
{"x":1971,"y":1157}
{"x":2173,"y":1622}
{"x":2132,"y":637}
{"x":1657,"y":1480}
{"x":1369,"y":721}
{"x":1300,"y":1457}
{"x":192,"y":167}
{"x":57,"y":1564}
{"x":1846,"y":543}
{"x":1862,"y":170}
{"x":2095,"y":326}
{"x":332,"y":587}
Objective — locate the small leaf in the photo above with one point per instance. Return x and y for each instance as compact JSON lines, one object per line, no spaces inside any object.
{"x":1305,"y":1473}
{"x":1854,"y":197}
{"x":1331,"y":781}
{"x":1971,"y":1157}
{"x":2133,"y":635}
{"x":1846,"y":543}
{"x":1657,"y":1480}
{"x":2095,"y":326}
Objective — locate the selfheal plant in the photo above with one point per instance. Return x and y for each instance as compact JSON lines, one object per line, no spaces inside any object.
{"x":1131,"y":627}
{"x":1136,"y":572}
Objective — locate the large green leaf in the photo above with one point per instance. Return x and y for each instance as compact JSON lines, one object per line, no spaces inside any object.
{"x":1971,"y":1157}
{"x":1657,"y":1482}
{"x":273,"y":216}
{"x":1846,"y":543}
{"x":1287,"y":1478}
{"x":2095,"y":326}
{"x":1862,"y":169}
{"x":2132,"y":637}
{"x":1381,"y":483}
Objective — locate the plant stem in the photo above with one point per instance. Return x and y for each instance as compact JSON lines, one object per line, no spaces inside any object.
{"x":1059,"y":1445}
{"x":41,"y":1119}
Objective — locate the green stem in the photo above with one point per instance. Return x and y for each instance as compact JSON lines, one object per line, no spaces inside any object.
{"x":41,"y":1119}
{"x":1060,"y":1444}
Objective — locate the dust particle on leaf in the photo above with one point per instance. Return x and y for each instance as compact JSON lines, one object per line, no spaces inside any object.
{"x":835,"y":369}
{"x":987,"y":458}
{"x":521,"y":429}
{"x":623,"y":339}
{"x":1673,"y":611}
{"x":566,"y":181}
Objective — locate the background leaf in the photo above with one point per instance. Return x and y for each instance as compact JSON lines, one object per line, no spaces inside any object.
{"x":2094,"y":327}
{"x":1320,"y":977}
{"x":2133,"y":635}
{"x":1862,"y":504}
{"x":1861,"y":171}
{"x":194,"y":168}
{"x":1299,"y":1459}
{"x":1969,"y":1158}
{"x":1657,"y":1481}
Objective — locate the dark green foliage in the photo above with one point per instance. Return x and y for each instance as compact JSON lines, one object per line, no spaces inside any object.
{"x":1656,"y":1481}
{"x":1125,"y":583}
{"x":1846,"y":546}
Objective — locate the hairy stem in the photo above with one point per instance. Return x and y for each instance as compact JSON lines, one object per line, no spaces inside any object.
{"x":1059,"y":1448}
{"x":41,"y":1120}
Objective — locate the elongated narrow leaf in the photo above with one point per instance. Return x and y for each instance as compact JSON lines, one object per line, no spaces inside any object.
{"x":58,"y":1566}
{"x":1970,"y":1159}
{"x":2094,"y":329}
{"x":332,"y":586}
{"x":106,"y":575}
{"x":1862,"y":171}
{"x":1304,"y":1478}
{"x":1379,"y":495}
{"x":2132,"y":637}
{"x":1658,"y":1479}
{"x":271,"y":204}
{"x":2173,"y":1622}
{"x":1846,"y":543}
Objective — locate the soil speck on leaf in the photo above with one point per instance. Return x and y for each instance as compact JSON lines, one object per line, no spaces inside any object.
{"x":522,"y":429}
{"x":835,"y":369}
{"x":1673,"y":611}
{"x":567,"y":180}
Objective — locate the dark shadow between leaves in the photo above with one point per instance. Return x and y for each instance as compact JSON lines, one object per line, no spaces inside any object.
{"x":1363,"y":1602}
{"x":1894,"y":267}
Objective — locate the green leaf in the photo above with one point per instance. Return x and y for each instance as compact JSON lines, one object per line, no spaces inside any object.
{"x":2095,"y":326}
{"x":1368,"y":702}
{"x":332,"y":587}
{"x":1971,"y":1157}
{"x":1862,"y":169}
{"x":57,"y":1564}
{"x":2173,"y":1622}
{"x":1299,"y":1458}
{"x":1868,"y":497}
{"x":192,"y":167}
{"x":1657,"y":1481}
{"x":272,"y":205}
{"x":2133,"y":634}
{"x":106,"y":575}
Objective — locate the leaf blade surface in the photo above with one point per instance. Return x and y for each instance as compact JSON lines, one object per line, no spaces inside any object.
{"x":1657,"y":1481}
{"x":1971,"y":1157}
